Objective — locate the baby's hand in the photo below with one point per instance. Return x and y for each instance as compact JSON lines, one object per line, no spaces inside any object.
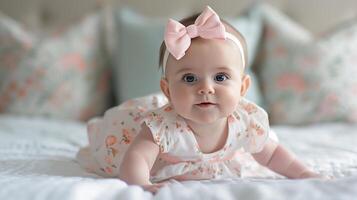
{"x":155,"y":187}
{"x":311,"y":174}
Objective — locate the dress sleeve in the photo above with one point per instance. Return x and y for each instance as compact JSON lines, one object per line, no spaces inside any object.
{"x":257,"y":127}
{"x":157,"y":123}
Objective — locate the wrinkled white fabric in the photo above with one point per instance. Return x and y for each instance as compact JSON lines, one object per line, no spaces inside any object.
{"x":37,"y":161}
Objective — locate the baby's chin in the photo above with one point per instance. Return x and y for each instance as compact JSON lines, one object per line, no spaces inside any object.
{"x":204,"y":119}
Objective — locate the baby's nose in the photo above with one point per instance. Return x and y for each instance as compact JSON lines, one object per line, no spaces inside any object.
{"x":206,"y":88}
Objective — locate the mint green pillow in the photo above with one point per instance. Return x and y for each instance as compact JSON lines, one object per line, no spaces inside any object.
{"x":137,"y":52}
{"x":136,"y":71}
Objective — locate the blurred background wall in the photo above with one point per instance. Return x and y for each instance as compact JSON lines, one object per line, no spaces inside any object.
{"x":315,"y":15}
{"x":123,"y":36}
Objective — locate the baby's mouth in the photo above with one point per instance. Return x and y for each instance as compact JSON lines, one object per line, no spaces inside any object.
{"x":205,"y":104}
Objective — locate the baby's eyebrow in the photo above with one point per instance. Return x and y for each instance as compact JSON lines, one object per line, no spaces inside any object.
{"x":224,"y":68}
{"x":183,"y":70}
{"x":219,"y":68}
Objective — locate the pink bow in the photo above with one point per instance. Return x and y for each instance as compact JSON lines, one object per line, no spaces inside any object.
{"x":178,"y":37}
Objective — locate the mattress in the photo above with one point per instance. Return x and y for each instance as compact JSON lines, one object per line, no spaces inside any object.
{"x":37,"y":161}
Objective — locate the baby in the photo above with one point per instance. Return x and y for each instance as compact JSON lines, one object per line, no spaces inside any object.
{"x":205,"y":124}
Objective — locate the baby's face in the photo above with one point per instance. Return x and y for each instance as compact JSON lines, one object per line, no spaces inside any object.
{"x":208,"y":82}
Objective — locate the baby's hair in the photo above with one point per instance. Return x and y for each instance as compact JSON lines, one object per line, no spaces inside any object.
{"x":191,"y":20}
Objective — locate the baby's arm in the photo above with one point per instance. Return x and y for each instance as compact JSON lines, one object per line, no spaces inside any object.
{"x":279,"y":159}
{"x":139,"y":159}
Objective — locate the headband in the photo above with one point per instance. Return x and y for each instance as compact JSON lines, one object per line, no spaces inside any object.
{"x":207,"y":25}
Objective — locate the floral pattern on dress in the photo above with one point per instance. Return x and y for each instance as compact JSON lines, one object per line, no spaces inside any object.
{"x":180,"y":155}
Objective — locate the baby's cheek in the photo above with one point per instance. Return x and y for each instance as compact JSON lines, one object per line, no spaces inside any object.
{"x":231,"y":100}
{"x":176,"y":92}
{"x":180,"y":98}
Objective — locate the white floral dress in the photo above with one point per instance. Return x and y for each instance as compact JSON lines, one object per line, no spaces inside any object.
{"x":180,"y":156}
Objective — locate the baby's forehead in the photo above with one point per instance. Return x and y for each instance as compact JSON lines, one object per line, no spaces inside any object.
{"x":208,"y":54}
{"x":204,"y":69}
{"x":215,"y":51}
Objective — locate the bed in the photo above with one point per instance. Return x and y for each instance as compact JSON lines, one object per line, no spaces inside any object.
{"x":37,"y":161}
{"x":41,"y":133}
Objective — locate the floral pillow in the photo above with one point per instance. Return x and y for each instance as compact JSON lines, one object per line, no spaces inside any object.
{"x":63,"y":75}
{"x":307,"y":79}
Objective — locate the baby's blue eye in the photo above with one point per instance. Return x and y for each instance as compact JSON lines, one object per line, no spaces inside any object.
{"x":220,"y":77}
{"x":189,"y":78}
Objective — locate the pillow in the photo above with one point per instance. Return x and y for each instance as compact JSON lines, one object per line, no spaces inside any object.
{"x":136,"y":68}
{"x":307,"y":79}
{"x":137,"y":60}
{"x":62,"y":75}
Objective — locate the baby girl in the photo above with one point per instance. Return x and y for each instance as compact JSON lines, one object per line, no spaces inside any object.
{"x":205,"y":124}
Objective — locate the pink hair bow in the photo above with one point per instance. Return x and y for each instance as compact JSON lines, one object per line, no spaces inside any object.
{"x":178,"y":37}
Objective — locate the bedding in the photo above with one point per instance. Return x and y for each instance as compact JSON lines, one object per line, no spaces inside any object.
{"x":37,"y":161}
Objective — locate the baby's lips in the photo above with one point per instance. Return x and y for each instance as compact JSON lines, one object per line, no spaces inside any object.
{"x":206,"y":103}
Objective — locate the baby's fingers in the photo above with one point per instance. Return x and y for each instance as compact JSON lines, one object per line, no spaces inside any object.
{"x":154,"y":188}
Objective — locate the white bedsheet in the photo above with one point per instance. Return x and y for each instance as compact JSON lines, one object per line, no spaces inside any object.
{"x":37,"y":161}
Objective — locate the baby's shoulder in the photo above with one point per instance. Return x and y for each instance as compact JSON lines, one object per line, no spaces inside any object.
{"x":164,"y":112}
{"x":148,"y":102}
{"x":248,"y":110}
{"x":253,"y":126}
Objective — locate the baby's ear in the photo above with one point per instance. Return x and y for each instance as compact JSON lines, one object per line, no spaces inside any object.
{"x":164,"y":85}
{"x":245,"y":84}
